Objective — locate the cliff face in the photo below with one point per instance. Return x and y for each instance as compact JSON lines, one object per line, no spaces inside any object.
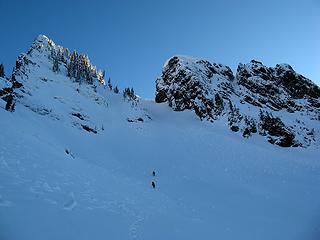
{"x":277,"y":103}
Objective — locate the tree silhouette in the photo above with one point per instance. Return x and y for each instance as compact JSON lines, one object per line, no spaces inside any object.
{"x":2,"y":70}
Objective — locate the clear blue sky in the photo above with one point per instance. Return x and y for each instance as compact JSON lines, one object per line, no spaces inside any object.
{"x":131,"y":39}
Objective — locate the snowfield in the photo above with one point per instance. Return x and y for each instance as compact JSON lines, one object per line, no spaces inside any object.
{"x":61,"y":180}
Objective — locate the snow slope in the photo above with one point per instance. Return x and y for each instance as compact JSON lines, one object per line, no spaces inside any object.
{"x":60,"y":181}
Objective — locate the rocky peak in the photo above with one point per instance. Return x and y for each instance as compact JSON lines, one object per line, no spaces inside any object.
{"x":41,"y":50}
{"x":249,"y":102}
{"x":275,"y":88}
{"x":43,"y":47}
{"x":187,"y":83}
{"x":254,"y":68}
{"x":42,"y":42}
{"x":296,"y":85}
{"x":44,"y":51}
{"x":44,"y":60}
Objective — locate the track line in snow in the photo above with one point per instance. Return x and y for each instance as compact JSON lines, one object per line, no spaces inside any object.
{"x":71,"y":203}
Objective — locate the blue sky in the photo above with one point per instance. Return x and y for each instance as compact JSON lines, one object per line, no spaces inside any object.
{"x":131,"y":40}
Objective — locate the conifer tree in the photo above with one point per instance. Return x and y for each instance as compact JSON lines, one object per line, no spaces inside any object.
{"x":55,"y":66}
{"x":2,"y":70}
{"x":109,"y":84}
{"x":129,"y":93}
{"x":81,"y":70}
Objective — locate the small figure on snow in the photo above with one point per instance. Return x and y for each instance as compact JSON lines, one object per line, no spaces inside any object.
{"x":153,"y":184}
{"x":153,"y":173}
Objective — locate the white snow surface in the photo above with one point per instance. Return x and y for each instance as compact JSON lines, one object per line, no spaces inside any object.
{"x":58,"y":181}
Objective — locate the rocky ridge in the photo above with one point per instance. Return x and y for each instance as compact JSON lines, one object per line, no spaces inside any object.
{"x":277,"y":103}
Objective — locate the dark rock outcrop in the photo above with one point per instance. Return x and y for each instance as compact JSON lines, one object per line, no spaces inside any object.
{"x":277,"y":131}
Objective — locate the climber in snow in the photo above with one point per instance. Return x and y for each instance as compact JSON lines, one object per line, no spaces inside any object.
{"x":153,"y":173}
{"x":153,"y":184}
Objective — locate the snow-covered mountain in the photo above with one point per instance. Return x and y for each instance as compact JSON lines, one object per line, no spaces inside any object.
{"x":77,"y":155}
{"x":274,"y":102}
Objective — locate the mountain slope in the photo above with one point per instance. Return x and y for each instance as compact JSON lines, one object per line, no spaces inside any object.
{"x":60,"y":181}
